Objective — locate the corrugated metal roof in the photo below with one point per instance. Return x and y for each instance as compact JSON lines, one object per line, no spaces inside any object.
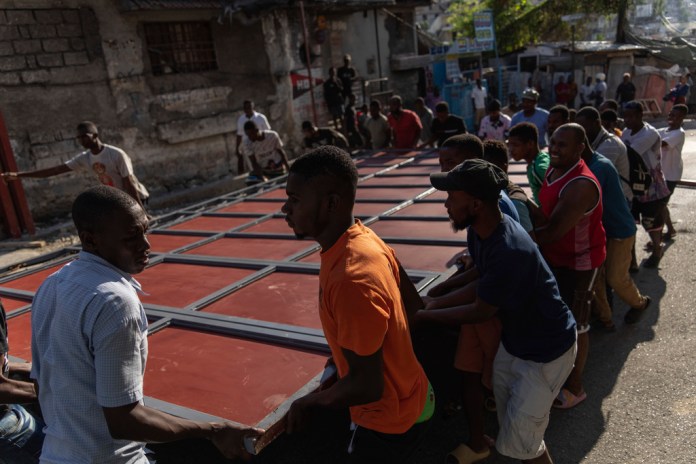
{"x":595,"y":46}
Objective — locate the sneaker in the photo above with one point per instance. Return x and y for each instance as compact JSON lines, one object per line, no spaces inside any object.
{"x":634,"y":314}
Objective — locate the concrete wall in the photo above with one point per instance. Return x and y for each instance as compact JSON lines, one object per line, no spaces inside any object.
{"x":63,"y":64}
{"x":63,"y":61}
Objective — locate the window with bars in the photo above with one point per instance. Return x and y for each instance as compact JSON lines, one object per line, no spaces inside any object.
{"x":180,"y":47}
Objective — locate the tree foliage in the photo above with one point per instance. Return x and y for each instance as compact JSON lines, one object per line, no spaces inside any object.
{"x":522,"y":22}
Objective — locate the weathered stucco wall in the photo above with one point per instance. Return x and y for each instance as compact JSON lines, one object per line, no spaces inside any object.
{"x":62,"y":62}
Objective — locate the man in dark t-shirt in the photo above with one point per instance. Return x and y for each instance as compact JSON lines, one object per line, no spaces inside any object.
{"x":347,"y":75}
{"x":444,"y":125}
{"x":537,"y":326}
{"x":316,"y":137}
{"x":21,"y":435}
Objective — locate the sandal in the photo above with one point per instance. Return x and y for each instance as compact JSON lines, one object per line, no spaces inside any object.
{"x":462,"y":454}
{"x":567,"y":400}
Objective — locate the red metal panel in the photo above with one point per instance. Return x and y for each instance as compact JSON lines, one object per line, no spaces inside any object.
{"x":313,"y":258}
{"x":19,"y":336}
{"x":277,"y":193}
{"x":178,"y":285}
{"x":270,"y":226}
{"x":31,"y":282}
{"x":389,"y":193}
{"x":372,"y":209}
{"x":262,"y":207}
{"x":427,"y":257}
{"x":281,"y":297}
{"x":438,"y":195}
{"x":423,"y":209}
{"x":252,"y":248}
{"x":10,"y":304}
{"x":161,"y":243}
{"x":398,"y":180}
{"x":238,"y":380}
{"x":211,"y":223}
{"x":413,"y":229}
{"x":408,"y":169}
{"x":369,"y":170}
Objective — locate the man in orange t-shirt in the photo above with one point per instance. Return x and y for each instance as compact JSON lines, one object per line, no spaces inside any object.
{"x":365,"y":302}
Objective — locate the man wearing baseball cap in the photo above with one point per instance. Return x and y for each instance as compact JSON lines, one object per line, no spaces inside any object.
{"x":530,"y":113}
{"x":538,"y":341}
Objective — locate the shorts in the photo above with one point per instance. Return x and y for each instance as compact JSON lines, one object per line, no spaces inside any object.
{"x":369,"y":446}
{"x":476,"y":349}
{"x":524,"y":392}
{"x":576,"y":288}
{"x":651,"y":214}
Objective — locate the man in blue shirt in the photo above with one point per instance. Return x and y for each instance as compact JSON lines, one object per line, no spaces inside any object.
{"x":89,"y":346}
{"x":621,"y":235}
{"x":538,"y":329}
{"x":530,"y":113}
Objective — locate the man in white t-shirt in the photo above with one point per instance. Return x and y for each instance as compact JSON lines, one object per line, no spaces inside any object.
{"x":673,"y":138}
{"x":265,"y":151}
{"x":650,"y":207}
{"x":261,"y":122}
{"x":478,"y":95}
{"x":110,"y":164}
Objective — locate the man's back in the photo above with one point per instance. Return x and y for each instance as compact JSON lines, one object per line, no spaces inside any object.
{"x":537,"y":325}
{"x":89,"y":347}
{"x":361,"y":310}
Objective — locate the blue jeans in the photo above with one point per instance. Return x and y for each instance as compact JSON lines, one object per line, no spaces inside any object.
{"x":21,"y":436}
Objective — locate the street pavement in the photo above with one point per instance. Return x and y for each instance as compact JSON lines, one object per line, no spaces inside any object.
{"x":641,"y":394}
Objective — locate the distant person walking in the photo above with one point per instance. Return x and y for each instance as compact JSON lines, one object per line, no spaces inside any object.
{"x":479,"y":96}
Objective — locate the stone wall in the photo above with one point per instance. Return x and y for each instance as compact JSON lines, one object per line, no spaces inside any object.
{"x":61,"y":65}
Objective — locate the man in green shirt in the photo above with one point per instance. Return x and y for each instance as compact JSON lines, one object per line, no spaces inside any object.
{"x":523,"y":144}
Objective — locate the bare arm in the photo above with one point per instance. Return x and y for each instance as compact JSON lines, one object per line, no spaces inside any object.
{"x":577,"y":199}
{"x":130,"y":189}
{"x":475,"y":312}
{"x":458,"y":280}
{"x":256,"y":167}
{"x":39,"y":173}
{"x":363,"y":384}
{"x":457,"y":297}
{"x":139,"y":423}
{"x":15,"y":391}
{"x":284,"y":158}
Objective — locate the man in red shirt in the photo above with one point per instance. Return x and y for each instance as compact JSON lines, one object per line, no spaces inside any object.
{"x":405,"y":124}
{"x":572,"y":239}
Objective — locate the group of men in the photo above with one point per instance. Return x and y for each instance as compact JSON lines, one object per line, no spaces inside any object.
{"x":523,"y":342}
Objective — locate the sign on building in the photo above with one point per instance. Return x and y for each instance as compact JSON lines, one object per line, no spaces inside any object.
{"x":484,"y":29}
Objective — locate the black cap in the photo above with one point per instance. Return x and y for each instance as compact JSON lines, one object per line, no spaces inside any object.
{"x":476,"y":177}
